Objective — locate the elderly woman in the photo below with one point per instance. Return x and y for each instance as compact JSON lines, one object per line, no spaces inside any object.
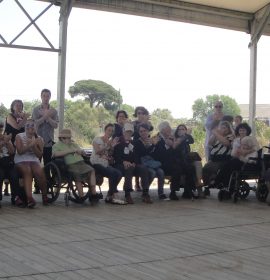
{"x":29,"y":149}
{"x":220,"y":144}
{"x":244,"y":154}
{"x":76,"y":165}
{"x":165,"y":153}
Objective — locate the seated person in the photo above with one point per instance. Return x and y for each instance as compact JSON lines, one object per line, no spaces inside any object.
{"x":144,"y":148}
{"x":165,"y":153}
{"x":127,"y":162}
{"x":76,"y":165}
{"x":101,"y":158}
{"x":7,"y":170}
{"x":243,"y":155}
{"x":29,"y":148}
{"x":220,"y":144}
{"x":192,"y":160}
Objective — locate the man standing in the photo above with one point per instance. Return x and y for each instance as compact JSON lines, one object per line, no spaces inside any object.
{"x":46,"y":121}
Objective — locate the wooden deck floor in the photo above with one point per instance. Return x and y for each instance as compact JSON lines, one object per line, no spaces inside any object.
{"x":203,"y":239}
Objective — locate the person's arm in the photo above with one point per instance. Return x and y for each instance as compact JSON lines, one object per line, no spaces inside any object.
{"x":222,"y":139}
{"x":9,"y":145}
{"x":58,"y":151}
{"x":38,"y":147}
{"x":21,"y":147}
{"x":12,"y":121}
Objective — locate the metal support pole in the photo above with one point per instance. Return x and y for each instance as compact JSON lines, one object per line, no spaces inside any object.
{"x":63,"y":23}
{"x":252,"y":86}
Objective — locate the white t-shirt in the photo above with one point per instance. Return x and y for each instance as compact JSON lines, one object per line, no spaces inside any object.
{"x":97,"y":158}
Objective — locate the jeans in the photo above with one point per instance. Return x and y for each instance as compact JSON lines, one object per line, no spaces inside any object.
{"x":114,"y":175}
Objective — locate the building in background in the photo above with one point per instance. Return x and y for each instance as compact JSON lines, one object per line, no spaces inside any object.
{"x":262,"y":112}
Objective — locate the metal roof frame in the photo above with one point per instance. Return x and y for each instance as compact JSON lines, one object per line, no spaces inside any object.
{"x":247,"y":16}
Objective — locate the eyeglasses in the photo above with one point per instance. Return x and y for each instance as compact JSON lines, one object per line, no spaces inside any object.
{"x":218,"y":106}
{"x":29,"y":125}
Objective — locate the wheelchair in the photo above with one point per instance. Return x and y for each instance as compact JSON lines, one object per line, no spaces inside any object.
{"x":59,"y":178}
{"x":239,"y":188}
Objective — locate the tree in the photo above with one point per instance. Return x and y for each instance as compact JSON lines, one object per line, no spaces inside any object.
{"x":97,"y":93}
{"x":3,"y":111}
{"x":201,"y":108}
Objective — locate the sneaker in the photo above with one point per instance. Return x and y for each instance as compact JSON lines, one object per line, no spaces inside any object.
{"x":129,"y":199}
{"x":162,"y":196}
{"x":173,"y":196}
{"x":146,"y":199}
{"x":31,"y":203}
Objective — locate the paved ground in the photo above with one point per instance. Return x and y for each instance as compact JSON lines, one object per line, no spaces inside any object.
{"x":203,"y":239}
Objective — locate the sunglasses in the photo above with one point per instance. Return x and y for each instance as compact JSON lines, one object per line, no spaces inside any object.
{"x":218,"y":106}
{"x":65,"y":138}
{"x":29,"y":125}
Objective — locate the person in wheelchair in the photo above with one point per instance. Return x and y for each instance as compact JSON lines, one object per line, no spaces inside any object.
{"x":243,"y":156}
{"x":220,"y":144}
{"x":80,"y":171}
{"x":29,"y":148}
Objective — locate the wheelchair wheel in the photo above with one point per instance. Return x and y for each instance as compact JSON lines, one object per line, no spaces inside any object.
{"x":243,"y":190}
{"x":76,"y":198}
{"x":261,"y":192}
{"x":53,"y":180}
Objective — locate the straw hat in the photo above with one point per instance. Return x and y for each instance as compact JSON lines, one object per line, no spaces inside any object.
{"x":65,"y":133}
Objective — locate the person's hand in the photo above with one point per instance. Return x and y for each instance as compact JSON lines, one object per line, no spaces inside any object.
{"x":7,"y":137}
{"x":169,"y":142}
{"x":154,"y":139}
{"x":115,"y":141}
{"x":127,"y":164}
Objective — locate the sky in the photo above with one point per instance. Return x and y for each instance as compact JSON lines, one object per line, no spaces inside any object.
{"x":155,"y":63}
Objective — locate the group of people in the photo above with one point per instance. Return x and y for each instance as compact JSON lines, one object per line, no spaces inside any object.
{"x":127,"y":149}
{"x":24,"y":141}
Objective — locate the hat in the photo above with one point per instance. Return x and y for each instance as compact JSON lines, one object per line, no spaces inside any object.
{"x":65,"y":133}
{"x":128,"y":127}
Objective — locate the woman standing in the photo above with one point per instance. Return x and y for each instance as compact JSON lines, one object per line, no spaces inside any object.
{"x":15,"y":120}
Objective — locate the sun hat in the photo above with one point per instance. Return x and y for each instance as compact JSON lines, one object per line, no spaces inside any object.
{"x":128,"y":127}
{"x":65,"y":133}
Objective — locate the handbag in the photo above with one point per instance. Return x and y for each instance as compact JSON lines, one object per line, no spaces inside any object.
{"x":148,"y":161}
